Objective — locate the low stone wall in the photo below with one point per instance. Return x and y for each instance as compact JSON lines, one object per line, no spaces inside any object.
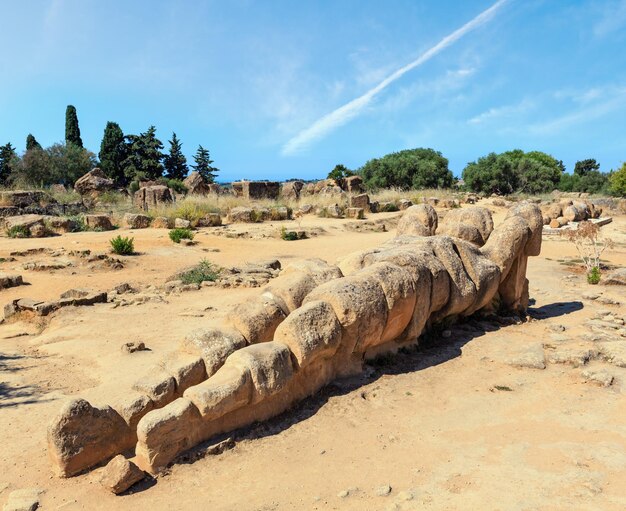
{"x":314,"y":323}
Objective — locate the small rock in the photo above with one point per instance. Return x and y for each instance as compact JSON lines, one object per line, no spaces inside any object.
{"x":405,"y":495}
{"x":383,"y":491}
{"x":590,"y":296}
{"x":132,"y":347}
{"x":23,"y":500}
{"x":599,"y":377}
{"x":559,"y":338}
{"x":188,"y":243}
{"x":557,"y":328}
{"x":343,"y":494}
{"x":220,"y":447}
{"x":531,"y":357}
{"x":124,"y":287}
{"x":120,"y":474}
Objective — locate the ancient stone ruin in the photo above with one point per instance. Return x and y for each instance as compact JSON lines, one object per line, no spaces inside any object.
{"x":312,"y":324}
{"x":254,"y":190}
{"x":152,"y":196}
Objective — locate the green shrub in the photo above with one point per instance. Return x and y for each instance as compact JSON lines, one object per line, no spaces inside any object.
{"x":593,"y":277}
{"x":175,"y":184}
{"x":256,"y":216}
{"x":204,"y":271}
{"x":18,"y":231}
{"x":122,"y":246}
{"x":78,"y":223}
{"x":291,"y":235}
{"x":111,"y":197}
{"x":390,"y":207}
{"x":181,"y":234}
{"x":133,"y":187}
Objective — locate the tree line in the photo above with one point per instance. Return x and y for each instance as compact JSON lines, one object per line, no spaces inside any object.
{"x":509,"y":172}
{"x":126,"y":159}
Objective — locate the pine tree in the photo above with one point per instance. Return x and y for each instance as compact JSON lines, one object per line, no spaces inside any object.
{"x":113,"y":153}
{"x":8,"y":162}
{"x":203,"y":165}
{"x":144,"y":156}
{"x":175,"y":162}
{"x":31,"y":143}
{"x":72,"y":131}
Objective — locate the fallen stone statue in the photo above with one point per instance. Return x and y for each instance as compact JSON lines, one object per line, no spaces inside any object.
{"x":314,"y":323}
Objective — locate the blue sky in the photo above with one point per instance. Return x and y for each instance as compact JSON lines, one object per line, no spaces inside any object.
{"x":264,"y":85}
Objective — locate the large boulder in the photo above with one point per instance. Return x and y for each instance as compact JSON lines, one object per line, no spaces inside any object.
{"x":98,"y":222}
{"x":214,"y":345}
{"x":195,"y":184}
{"x":291,"y":190}
{"x":269,"y":364}
{"x":93,"y":183}
{"x":81,"y":436}
{"x":615,"y":278}
{"x":400,"y":294}
{"x":473,"y":224}
{"x":30,"y":225}
{"x":361,"y":307}
{"x":418,"y":220}
{"x":353,"y":184}
{"x":240,"y":214}
{"x":257,"y":319}
{"x":289,"y":290}
{"x":209,"y":220}
{"x":311,"y":332}
{"x":133,"y":221}
{"x":164,"y":433}
{"x":359,"y":201}
{"x":7,"y":280}
{"x":228,"y":389}
{"x":149,"y":197}
{"x":24,"y":198}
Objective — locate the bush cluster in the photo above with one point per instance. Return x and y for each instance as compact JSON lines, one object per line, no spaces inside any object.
{"x":181,"y":233}
{"x":204,"y":271}
{"x":122,"y":246}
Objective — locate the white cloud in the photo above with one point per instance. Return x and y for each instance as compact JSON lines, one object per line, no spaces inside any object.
{"x":502,"y":112}
{"x":613,"y":99}
{"x":345,"y":113}
{"x":434,"y":89}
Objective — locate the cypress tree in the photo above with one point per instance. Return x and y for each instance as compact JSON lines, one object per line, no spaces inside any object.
{"x":175,"y":162}
{"x":8,"y":162}
{"x":31,"y":143}
{"x":72,"y":131}
{"x":203,"y":165}
{"x":152,"y":155}
{"x":113,"y":153}
{"x":144,"y":156}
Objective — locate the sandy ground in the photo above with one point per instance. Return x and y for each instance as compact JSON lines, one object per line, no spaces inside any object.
{"x":451,"y":426}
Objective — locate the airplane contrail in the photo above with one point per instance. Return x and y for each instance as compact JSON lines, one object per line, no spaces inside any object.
{"x":344,"y":113}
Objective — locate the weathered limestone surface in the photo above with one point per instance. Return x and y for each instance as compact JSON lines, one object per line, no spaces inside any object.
{"x":418,"y":220}
{"x":314,"y":323}
{"x":149,"y":197}
{"x":93,"y":183}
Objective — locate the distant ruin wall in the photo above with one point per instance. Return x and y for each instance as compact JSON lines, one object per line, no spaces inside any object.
{"x":255,"y":190}
{"x":314,"y":323}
